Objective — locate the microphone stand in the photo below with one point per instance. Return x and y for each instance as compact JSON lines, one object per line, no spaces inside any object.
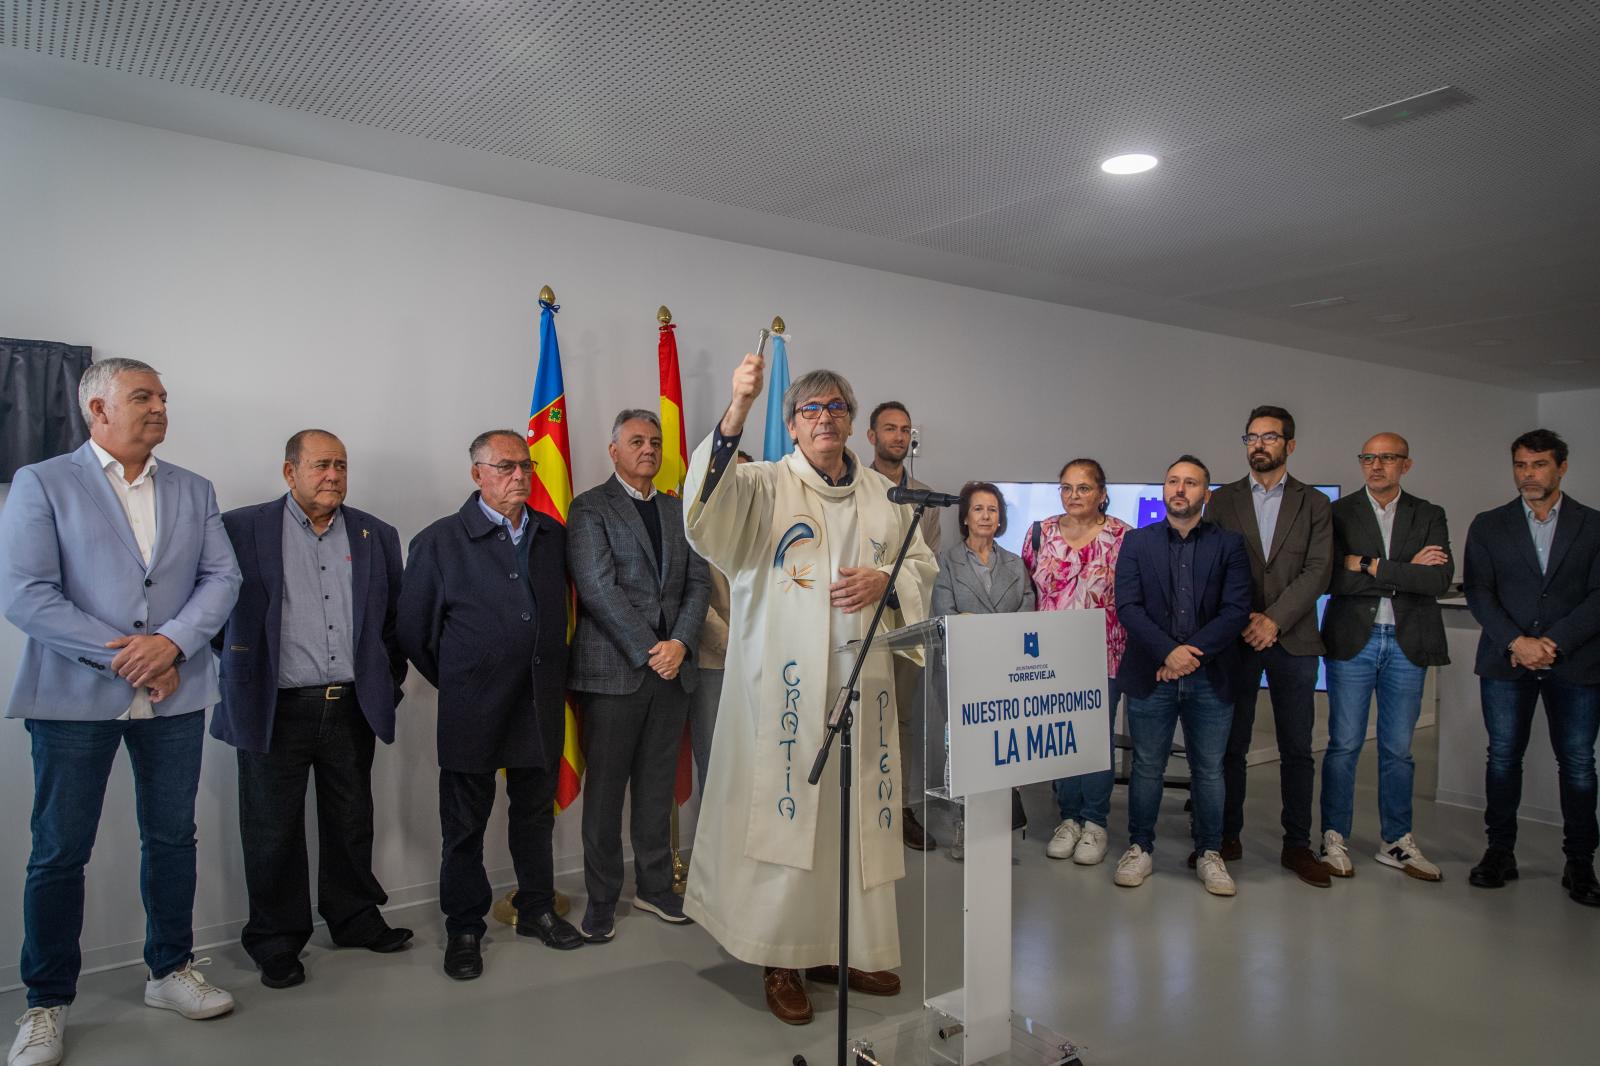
{"x":839,"y":725}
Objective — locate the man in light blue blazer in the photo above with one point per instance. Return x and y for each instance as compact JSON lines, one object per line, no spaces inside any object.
{"x":117,"y":568}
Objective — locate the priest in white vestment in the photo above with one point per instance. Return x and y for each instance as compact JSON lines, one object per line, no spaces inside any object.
{"x":807,"y":544}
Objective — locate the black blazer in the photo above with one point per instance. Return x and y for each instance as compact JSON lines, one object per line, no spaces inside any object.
{"x":248,"y":644}
{"x":1510,"y":598}
{"x":1288,"y":576}
{"x":1414,"y":590}
{"x":1144,"y":592}
{"x":491,"y":642}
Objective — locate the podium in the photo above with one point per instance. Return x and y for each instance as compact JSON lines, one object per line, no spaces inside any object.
{"x":1023,"y":698}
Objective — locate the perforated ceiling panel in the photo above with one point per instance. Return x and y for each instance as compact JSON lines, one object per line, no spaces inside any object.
{"x":976,"y":129}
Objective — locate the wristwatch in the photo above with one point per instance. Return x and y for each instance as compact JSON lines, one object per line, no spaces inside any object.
{"x":1366,"y":562}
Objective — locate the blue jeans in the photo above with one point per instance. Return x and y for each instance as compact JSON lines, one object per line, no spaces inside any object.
{"x":1206,"y":719}
{"x":1087,"y":797}
{"x":1383,"y":667}
{"x":1573,"y":713}
{"x":71,"y":764}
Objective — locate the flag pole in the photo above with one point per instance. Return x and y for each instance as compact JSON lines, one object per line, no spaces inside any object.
{"x":680,"y":869}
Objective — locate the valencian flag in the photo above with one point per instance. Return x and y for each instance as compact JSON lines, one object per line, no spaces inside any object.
{"x":552,"y":495}
{"x":669,"y":479}
{"x":778,"y":442}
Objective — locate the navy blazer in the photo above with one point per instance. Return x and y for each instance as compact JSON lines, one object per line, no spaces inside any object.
{"x":248,"y":645}
{"x":1510,"y":598}
{"x":491,"y":639}
{"x":1144,"y":593}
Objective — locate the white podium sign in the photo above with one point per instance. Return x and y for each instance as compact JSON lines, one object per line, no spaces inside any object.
{"x":1027,"y":698}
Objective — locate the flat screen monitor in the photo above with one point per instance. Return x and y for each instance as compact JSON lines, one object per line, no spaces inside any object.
{"x":1137,"y":505}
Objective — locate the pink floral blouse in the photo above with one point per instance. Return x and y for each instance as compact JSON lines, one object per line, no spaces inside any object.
{"x":1066,"y":577}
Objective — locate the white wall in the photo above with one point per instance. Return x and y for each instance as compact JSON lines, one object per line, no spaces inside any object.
{"x":1576,"y":416}
{"x":276,"y":292}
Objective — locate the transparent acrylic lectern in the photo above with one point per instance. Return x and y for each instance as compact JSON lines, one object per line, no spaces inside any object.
{"x":965,"y":951}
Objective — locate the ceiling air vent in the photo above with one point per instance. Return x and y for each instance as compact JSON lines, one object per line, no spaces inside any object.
{"x":1409,"y":108}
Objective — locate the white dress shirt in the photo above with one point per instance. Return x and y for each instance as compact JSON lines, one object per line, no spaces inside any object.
{"x":1385,"y":516}
{"x":138,"y":499}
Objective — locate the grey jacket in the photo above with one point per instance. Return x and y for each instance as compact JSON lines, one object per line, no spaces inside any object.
{"x":957,"y":589}
{"x":622,"y":592}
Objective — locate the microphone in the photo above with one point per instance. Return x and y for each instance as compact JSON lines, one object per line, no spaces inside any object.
{"x":925,"y":497}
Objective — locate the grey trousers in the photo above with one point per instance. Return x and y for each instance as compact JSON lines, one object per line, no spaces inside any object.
{"x":632,"y":741}
{"x":703,"y":720}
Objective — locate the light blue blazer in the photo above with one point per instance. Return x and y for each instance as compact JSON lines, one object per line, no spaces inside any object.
{"x":72,"y":579}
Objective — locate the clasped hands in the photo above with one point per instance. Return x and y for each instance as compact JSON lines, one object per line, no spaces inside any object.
{"x":666,"y":658}
{"x":1181,"y":662}
{"x":147,"y":662}
{"x":1535,"y":653}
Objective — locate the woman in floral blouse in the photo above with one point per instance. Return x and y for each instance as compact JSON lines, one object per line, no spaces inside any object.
{"x":1072,"y":558}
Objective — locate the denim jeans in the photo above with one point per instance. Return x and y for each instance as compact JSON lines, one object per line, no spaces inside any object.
{"x":1573,"y":712}
{"x":1292,"y":687}
{"x":1206,"y":718}
{"x":1087,"y":798}
{"x":71,"y":764}
{"x":1382,"y":667}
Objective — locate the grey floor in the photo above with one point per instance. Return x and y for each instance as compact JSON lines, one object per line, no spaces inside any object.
{"x":1379,"y":969}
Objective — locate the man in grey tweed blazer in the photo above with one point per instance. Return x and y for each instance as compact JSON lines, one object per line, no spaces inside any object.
{"x":642,"y":594}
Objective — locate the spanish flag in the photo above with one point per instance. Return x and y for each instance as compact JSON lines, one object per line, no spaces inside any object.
{"x":552,"y":495}
{"x":674,"y":446}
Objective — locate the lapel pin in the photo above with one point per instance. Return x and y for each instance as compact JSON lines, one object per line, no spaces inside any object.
{"x":363,"y":534}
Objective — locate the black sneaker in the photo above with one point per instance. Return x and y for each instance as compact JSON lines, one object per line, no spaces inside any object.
{"x":599,"y":922}
{"x":668,"y":907}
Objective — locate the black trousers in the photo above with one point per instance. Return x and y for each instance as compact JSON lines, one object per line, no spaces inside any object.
{"x":465,"y":802}
{"x":1292,"y":685}
{"x":330,"y":739}
{"x":633,"y":741}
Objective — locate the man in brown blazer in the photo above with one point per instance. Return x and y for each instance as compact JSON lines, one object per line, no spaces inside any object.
{"x":1288,"y":530}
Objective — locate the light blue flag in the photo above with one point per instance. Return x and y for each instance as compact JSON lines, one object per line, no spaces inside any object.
{"x":778,"y":443}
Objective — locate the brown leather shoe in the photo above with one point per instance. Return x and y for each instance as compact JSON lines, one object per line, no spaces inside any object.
{"x":786,"y":996}
{"x":916,"y":837}
{"x":1306,"y":866}
{"x":867,"y":982}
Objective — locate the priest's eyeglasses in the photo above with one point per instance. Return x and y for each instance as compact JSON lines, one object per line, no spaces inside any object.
{"x":812,"y":411}
{"x":1386,"y":458}
{"x":507,"y":468}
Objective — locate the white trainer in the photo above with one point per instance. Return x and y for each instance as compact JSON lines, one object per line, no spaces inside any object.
{"x":1134,"y":866}
{"x":1211,"y":871}
{"x":1064,"y":840}
{"x":41,"y":1037}
{"x":1335,"y":855}
{"x":1091,"y":849}
{"x":1404,"y":854}
{"x":188,"y":992}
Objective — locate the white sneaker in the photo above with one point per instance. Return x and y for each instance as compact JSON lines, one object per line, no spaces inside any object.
{"x":1134,"y":866}
{"x":1091,"y":849}
{"x":1335,"y":856}
{"x":958,"y":847}
{"x":41,"y":1037}
{"x":1404,"y":854}
{"x":1213,"y":874}
{"x":1064,"y":840}
{"x":188,"y":992}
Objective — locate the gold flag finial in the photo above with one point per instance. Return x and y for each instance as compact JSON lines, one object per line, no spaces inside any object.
{"x":777,"y":323}
{"x":547,"y":295}
{"x":664,"y":315}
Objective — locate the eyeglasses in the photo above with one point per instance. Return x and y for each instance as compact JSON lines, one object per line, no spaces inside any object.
{"x":1386,"y":458}
{"x":1079,"y":490}
{"x":812,"y":411}
{"x":1264,"y":438}
{"x":507,"y":468}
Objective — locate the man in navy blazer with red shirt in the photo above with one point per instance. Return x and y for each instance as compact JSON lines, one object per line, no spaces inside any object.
{"x":310,"y":677}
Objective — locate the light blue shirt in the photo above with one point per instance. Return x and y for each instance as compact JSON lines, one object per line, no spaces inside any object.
{"x":316,"y":639}
{"x":1267,"y":502}
{"x":499,"y":519}
{"x":1544,"y":533}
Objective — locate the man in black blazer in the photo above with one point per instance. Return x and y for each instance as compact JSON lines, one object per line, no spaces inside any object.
{"x":1289,"y":537}
{"x":1183,"y":594}
{"x":310,"y":676}
{"x":1383,"y":629}
{"x":1532,"y":578}
{"x":483,"y":616}
{"x":642,"y":594}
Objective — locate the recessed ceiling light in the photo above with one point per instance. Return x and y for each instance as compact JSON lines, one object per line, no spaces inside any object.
{"x":1137,"y":163}
{"x":1393,"y":316}
{"x":1489,"y":342}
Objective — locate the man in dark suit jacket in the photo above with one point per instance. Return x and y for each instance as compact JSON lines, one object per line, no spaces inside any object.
{"x":1288,"y":532}
{"x":1383,"y":629}
{"x":642,"y":594}
{"x":310,"y":674}
{"x":1183,"y":594}
{"x":483,"y":616}
{"x":1533,"y":582}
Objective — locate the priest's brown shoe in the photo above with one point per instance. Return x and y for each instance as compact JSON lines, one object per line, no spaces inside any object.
{"x":867,"y":982}
{"x":786,"y":996}
{"x":1307,"y":867}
